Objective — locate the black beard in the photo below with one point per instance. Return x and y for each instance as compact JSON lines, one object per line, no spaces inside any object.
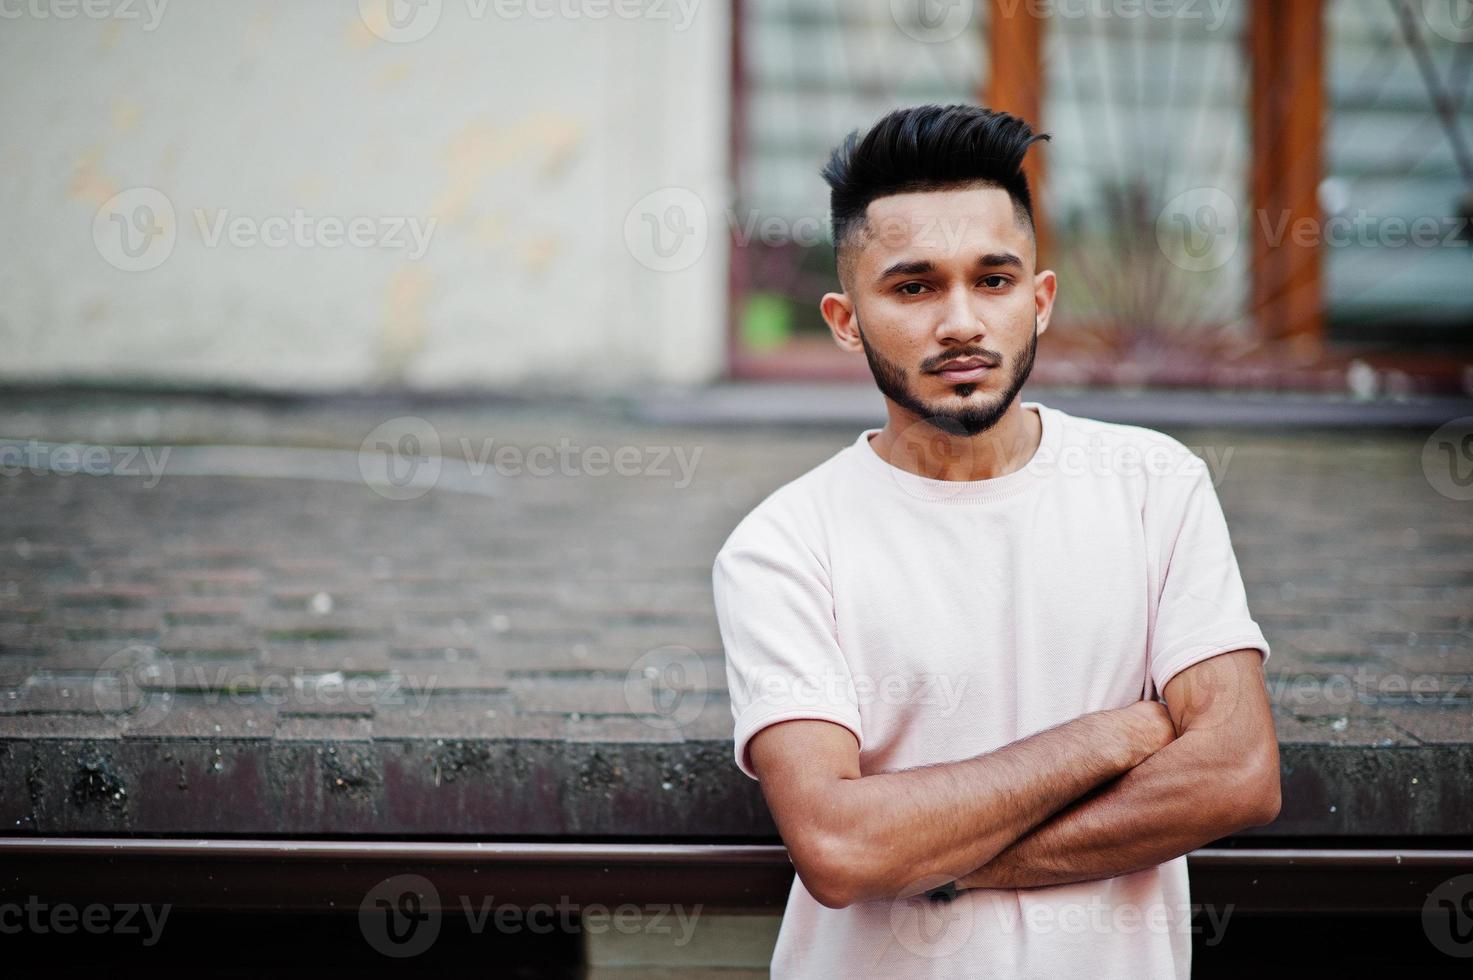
{"x":969,"y":420}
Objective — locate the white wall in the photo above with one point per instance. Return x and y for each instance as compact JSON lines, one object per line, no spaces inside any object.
{"x":525,"y":129}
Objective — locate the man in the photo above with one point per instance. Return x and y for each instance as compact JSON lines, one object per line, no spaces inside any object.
{"x":946,"y":643}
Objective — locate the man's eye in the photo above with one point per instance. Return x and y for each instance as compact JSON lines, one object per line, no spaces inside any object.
{"x":912,"y":288}
{"x":994,"y":282}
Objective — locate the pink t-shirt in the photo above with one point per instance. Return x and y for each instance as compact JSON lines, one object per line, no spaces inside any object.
{"x":938,"y":620}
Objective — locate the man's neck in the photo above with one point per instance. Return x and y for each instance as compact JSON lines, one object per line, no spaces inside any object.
{"x":923,"y":449}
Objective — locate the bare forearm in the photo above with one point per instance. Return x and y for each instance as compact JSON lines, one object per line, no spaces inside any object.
{"x":937,"y":822}
{"x":1171,"y":803}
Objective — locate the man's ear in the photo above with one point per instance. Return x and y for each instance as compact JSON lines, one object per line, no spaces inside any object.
{"x":1045,"y":288}
{"x":838,"y":313}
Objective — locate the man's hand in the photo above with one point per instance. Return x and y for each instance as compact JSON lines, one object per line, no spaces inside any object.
{"x":854,"y":837}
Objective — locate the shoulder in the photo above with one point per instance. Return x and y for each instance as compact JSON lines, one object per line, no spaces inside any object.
{"x":791,"y":516}
{"x":1131,"y":452}
{"x":1079,"y":430}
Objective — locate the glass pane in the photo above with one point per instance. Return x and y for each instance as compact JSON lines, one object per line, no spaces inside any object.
{"x":812,"y":71}
{"x":1395,"y":195}
{"x":1147,"y":182}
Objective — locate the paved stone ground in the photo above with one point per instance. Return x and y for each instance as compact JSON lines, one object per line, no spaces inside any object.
{"x":265,"y":641}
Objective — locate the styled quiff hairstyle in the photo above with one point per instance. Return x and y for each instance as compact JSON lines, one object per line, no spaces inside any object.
{"x":926,"y":148}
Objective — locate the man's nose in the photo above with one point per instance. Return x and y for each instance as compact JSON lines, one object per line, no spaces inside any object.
{"x":959,"y":320}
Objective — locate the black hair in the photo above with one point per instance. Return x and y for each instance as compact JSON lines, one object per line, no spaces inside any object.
{"x":928,"y":148}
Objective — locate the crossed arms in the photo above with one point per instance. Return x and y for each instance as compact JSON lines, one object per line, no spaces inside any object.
{"x":1105,"y":794}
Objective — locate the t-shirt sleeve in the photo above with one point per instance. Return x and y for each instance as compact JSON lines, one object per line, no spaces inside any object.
{"x":775,"y":610}
{"x":1202,"y":610}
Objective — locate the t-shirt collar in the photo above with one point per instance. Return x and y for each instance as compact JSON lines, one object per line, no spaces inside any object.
{"x":965,"y":491}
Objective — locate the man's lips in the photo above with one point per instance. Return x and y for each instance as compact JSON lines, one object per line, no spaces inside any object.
{"x":964,"y":369}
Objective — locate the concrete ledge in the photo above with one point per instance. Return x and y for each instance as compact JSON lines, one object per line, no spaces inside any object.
{"x":540,"y":789}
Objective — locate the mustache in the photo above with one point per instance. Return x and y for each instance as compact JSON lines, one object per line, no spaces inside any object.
{"x":992,"y":357}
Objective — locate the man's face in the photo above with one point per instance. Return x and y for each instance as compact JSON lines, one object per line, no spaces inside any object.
{"x":945,"y":303}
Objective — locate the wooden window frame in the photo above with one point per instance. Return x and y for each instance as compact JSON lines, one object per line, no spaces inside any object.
{"x":1286,"y":52}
